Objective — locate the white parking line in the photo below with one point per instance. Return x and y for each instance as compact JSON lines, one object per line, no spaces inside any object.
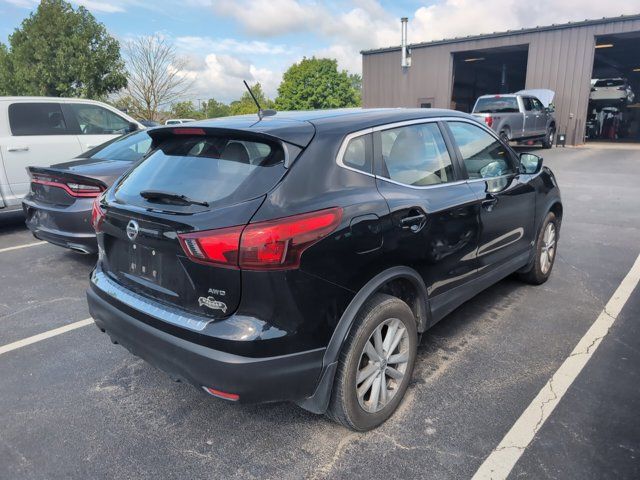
{"x":18,"y":247}
{"x":45,"y":335}
{"x":503,"y":458}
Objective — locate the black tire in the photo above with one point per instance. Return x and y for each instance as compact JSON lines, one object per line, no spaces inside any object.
{"x":344,"y":406}
{"x":537,"y":274}
{"x":547,"y":141}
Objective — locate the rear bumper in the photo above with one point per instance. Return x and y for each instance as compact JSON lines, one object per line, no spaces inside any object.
{"x":255,"y":380}
{"x":68,"y":227}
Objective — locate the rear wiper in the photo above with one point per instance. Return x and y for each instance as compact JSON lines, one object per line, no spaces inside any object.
{"x":169,"y":197}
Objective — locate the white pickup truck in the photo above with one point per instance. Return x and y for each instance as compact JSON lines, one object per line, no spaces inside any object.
{"x":522,"y":116}
{"x":41,"y":131}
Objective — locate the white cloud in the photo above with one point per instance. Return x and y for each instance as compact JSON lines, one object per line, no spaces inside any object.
{"x":270,"y":18}
{"x":369,"y":25}
{"x":455,"y":18}
{"x":220,"y":77}
{"x":208,"y":44}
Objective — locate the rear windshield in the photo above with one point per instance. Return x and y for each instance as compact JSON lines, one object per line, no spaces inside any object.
{"x":496,"y":105}
{"x":129,"y":148}
{"x":213,"y":169}
{"x":610,"y":82}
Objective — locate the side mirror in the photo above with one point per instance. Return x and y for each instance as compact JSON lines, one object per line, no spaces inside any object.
{"x":133,"y":127}
{"x":530,"y":163}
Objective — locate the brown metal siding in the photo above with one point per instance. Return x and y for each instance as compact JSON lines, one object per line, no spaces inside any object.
{"x":561,"y":60}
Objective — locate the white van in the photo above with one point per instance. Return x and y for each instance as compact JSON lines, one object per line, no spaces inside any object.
{"x":41,"y":131}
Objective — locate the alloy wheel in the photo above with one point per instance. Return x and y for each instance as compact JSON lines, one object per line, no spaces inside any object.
{"x":548,"y":249}
{"x":382,"y":366}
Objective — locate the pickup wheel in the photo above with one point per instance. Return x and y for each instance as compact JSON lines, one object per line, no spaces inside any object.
{"x":375,"y":364}
{"x":547,"y":141}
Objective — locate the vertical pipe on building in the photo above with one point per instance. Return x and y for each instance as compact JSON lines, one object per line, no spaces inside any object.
{"x":404,"y":42}
{"x":503,"y":79}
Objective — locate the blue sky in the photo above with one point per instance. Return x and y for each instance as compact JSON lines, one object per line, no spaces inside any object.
{"x":226,"y":41}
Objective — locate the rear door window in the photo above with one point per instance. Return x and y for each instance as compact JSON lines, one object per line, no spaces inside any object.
{"x":216,"y":170}
{"x":37,"y":119}
{"x":416,"y":155}
{"x":483,"y":155}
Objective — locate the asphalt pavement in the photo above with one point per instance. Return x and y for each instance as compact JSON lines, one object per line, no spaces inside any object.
{"x":76,"y":406}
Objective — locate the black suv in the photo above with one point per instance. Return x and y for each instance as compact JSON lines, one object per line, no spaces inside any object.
{"x":299,"y":257}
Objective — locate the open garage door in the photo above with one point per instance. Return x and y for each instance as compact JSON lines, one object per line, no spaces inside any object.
{"x":614,"y":100}
{"x":482,"y":72}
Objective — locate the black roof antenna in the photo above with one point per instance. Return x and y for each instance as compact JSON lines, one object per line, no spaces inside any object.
{"x":261,"y":113}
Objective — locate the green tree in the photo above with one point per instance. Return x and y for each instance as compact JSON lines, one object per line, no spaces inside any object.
{"x":214,"y":109}
{"x":186,"y":109}
{"x":59,"y":51}
{"x":6,"y":71}
{"x":247,"y":105}
{"x":316,"y":83}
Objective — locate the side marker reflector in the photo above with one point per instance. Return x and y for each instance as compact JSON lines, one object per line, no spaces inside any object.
{"x":220,"y":394}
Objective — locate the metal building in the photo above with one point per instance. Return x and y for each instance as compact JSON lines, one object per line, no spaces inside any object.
{"x":565,"y":58}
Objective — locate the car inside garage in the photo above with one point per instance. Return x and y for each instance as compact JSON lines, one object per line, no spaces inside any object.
{"x":482,"y":72}
{"x":614,"y":100}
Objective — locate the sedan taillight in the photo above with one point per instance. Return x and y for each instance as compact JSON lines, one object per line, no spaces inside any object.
{"x":271,"y":245}
{"x":72,"y":188}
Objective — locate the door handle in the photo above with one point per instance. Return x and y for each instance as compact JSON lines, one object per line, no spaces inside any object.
{"x":17,"y":149}
{"x":489,"y":202}
{"x":415,"y":223}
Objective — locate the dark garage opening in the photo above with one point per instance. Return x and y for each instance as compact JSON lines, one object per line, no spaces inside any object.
{"x":482,"y":72}
{"x":614,"y":101}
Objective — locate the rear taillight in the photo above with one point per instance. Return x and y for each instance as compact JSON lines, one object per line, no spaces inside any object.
{"x":97,"y":215}
{"x":213,"y":246}
{"x":72,"y":188}
{"x":488,"y":120}
{"x":271,"y":245}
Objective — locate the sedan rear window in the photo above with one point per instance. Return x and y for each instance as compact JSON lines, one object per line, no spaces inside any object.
{"x":496,"y":105}
{"x":209,"y":170}
{"x":129,"y":148}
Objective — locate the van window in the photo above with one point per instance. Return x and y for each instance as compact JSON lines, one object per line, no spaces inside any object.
{"x":37,"y":119}
{"x":96,"y":120}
